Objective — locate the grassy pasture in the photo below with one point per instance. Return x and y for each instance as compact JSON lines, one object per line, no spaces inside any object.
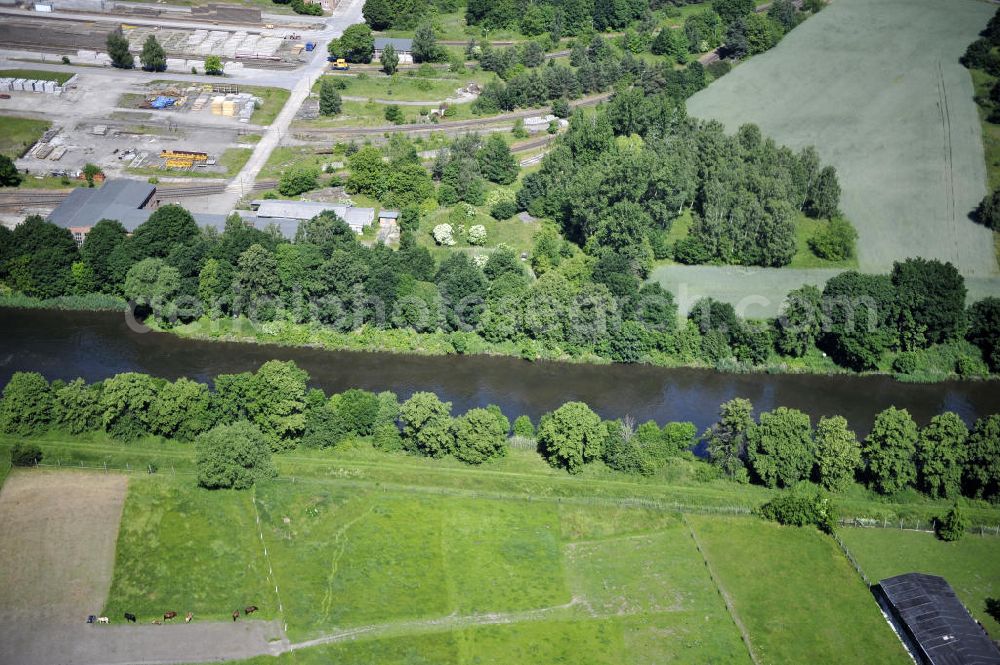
{"x":971,"y":565}
{"x":183,"y":549}
{"x":796,"y":593}
{"x":877,"y":88}
{"x":408,"y":560}
{"x":404,"y":86}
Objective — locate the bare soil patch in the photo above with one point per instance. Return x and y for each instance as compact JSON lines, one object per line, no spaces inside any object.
{"x":58,"y":545}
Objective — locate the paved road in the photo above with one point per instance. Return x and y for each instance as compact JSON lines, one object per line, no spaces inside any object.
{"x":347,"y":13}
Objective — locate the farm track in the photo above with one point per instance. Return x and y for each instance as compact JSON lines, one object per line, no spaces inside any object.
{"x":450,"y":622}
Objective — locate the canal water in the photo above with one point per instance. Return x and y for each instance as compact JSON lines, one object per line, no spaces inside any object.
{"x":97,"y":345}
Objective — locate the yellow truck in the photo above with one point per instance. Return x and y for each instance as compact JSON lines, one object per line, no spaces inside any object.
{"x":339,"y":64}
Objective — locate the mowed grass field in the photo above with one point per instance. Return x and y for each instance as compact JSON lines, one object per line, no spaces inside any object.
{"x":796,"y":593}
{"x":877,"y":87}
{"x":761,"y":292}
{"x":971,"y":565}
{"x":375,"y":575}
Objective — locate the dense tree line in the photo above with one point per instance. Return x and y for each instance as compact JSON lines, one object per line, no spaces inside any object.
{"x":857,"y":318}
{"x":781,"y":448}
{"x":572,"y":302}
{"x":983,"y":55}
{"x":637,"y":164}
{"x":243,"y":418}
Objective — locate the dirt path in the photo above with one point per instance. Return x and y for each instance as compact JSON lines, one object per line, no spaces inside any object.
{"x":450,"y":622}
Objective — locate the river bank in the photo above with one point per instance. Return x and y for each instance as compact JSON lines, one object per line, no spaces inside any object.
{"x":98,"y":345}
{"x":934,"y":365}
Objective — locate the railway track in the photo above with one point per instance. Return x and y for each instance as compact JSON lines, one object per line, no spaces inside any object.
{"x":457,"y":126}
{"x":50,"y":198}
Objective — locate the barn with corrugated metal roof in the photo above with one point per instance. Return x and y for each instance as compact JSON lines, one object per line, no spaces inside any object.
{"x":933,"y":623}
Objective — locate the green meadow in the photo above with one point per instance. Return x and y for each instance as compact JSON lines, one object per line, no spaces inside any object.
{"x":971,"y":565}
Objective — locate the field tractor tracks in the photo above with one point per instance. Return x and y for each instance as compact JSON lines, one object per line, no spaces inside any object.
{"x":340,"y":545}
{"x":949,"y":158}
{"x":438,"y":624}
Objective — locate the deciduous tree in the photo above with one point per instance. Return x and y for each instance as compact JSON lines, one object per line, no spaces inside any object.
{"x":389,"y":60}
{"x":570,"y":436}
{"x":888,"y":452}
{"x":277,"y":402}
{"x":780,"y":447}
{"x":727,"y":438}
{"x":940,"y":453}
{"x":125,"y":399}
{"x":981,"y":475}
{"x":234,"y":456}
{"x":427,"y":425}
{"x":330,"y":102}
{"x":479,"y":436}
{"x":27,"y":404}
{"x":838,"y":453}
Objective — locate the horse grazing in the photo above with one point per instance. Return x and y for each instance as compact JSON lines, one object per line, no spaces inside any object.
{"x":187,"y":619}
{"x":130,"y":617}
{"x":236,"y":615}
{"x":103,"y":620}
{"x":250,"y":609}
{"x":156,"y":622}
{"x":167,"y":616}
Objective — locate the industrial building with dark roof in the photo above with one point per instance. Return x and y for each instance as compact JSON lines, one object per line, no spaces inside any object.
{"x":127,"y":201}
{"x":933,"y":622}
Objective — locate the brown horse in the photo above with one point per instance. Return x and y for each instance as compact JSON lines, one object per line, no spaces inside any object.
{"x":167,"y":616}
{"x":250,"y":609}
{"x":236,"y":615}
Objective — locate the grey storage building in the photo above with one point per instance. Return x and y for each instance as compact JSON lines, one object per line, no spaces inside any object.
{"x":403,"y":48}
{"x":119,"y":199}
{"x":933,"y":623}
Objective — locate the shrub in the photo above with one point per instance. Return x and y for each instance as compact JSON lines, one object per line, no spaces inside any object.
{"x":560,"y":108}
{"x":795,"y":509}
{"x":394,"y":114}
{"x":835,"y":241}
{"x":718,"y":69}
{"x":25,"y":454}
{"x":523,"y":427}
{"x":444,"y":234}
{"x":952,"y":526}
{"x":503,"y":210}
{"x":691,"y":251}
{"x":905,"y":363}
{"x":387,"y":438}
{"x":477,"y":234}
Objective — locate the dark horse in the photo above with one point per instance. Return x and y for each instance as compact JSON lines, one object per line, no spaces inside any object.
{"x":250,"y":609}
{"x":130,"y":617}
{"x":236,"y":615}
{"x":167,"y":616}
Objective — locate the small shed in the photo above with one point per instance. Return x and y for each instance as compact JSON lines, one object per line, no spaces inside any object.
{"x":933,"y":623}
{"x":403,"y":48}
